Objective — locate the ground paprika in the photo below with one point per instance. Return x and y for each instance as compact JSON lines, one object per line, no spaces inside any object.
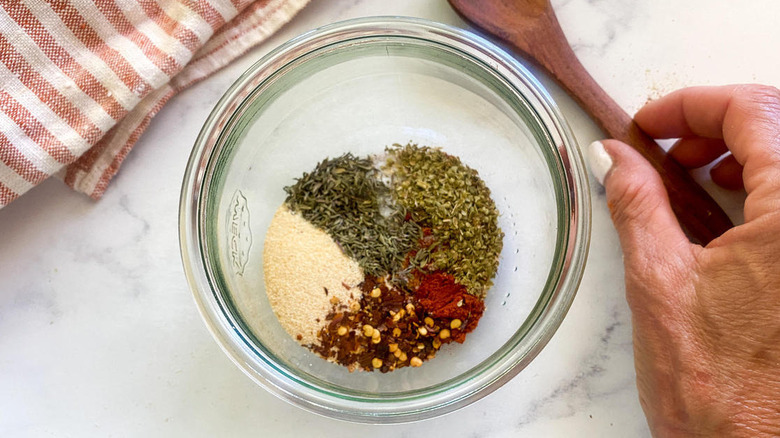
{"x":444,"y":299}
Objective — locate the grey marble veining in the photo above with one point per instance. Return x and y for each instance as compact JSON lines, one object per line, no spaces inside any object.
{"x":99,"y":334}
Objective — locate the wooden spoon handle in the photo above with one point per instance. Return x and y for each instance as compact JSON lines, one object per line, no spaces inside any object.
{"x":699,"y":215}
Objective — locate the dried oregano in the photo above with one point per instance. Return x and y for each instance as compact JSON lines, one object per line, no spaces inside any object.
{"x":345,"y":197}
{"x":448,"y":197}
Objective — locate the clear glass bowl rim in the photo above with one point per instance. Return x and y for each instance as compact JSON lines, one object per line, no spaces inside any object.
{"x":439,"y":402}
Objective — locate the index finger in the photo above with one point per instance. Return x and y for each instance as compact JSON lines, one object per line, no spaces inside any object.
{"x":746,"y":117}
{"x":695,"y":111}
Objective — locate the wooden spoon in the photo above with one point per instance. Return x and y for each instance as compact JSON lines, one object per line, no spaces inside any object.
{"x":531,"y":28}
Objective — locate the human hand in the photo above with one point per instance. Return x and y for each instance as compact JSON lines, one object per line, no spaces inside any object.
{"x":706,"y":320}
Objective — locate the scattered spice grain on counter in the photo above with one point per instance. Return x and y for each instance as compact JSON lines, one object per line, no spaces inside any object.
{"x":375,"y":263}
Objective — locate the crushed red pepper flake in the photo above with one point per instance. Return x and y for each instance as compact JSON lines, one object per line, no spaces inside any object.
{"x":408,"y":334}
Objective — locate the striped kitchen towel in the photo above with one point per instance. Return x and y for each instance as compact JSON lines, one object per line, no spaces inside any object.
{"x":81,"y":79}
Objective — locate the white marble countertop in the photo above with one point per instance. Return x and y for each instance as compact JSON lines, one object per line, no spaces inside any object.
{"x":99,"y":334}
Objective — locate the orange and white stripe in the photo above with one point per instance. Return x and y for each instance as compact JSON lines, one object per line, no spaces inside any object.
{"x":81,"y":80}
{"x":260,"y":19}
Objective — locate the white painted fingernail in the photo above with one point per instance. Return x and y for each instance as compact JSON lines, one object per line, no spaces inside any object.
{"x":598,"y":160}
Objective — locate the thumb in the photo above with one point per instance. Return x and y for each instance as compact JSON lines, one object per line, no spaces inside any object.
{"x":637,"y":201}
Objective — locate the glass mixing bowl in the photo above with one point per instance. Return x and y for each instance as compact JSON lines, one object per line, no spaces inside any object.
{"x":358,"y":86}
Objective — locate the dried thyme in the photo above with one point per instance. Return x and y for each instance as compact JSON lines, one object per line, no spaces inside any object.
{"x":448,"y":197}
{"x":345,"y":197}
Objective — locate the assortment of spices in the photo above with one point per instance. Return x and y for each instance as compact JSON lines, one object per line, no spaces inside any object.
{"x":422,"y":229}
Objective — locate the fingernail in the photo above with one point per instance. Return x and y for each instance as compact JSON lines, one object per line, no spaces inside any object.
{"x":598,"y":160}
